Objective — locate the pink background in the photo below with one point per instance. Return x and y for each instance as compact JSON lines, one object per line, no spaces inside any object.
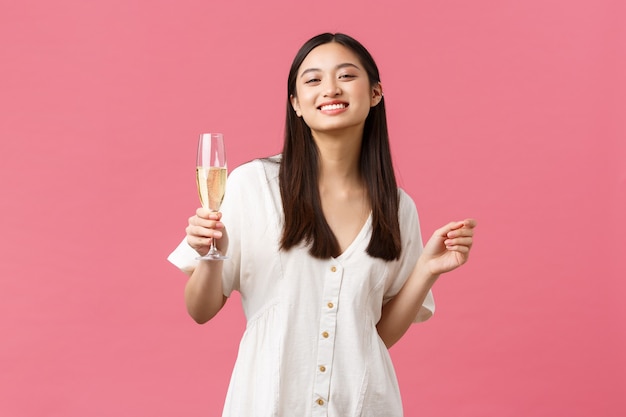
{"x":512,"y":112}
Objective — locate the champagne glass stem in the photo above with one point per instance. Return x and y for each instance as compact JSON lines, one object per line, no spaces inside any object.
{"x":213,"y":249}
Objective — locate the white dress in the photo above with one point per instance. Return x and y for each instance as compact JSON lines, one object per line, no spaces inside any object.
{"x":310,"y":347}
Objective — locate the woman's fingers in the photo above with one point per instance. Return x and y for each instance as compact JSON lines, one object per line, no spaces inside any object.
{"x":461,"y":238}
{"x":206,"y":218}
{"x":204,"y":232}
{"x":460,"y":241}
{"x":469,"y":223}
{"x":463,"y":228}
{"x":203,"y":227}
{"x":457,"y":229}
{"x":198,"y":222}
{"x":444,"y":231}
{"x":208,"y":214}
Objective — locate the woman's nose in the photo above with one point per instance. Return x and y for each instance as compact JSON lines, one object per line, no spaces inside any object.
{"x":332,"y":89}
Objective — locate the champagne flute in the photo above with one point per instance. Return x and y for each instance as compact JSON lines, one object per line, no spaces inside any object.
{"x":211,"y":179}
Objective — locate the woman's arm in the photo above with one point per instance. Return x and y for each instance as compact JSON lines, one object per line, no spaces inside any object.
{"x":446,"y":250}
{"x":400,"y":312}
{"x":204,"y":295}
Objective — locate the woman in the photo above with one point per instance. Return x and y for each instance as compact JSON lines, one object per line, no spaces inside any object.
{"x":325,"y":250}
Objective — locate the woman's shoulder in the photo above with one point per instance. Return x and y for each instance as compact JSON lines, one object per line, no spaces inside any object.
{"x":405,"y":200}
{"x":407,"y":210}
{"x":257,"y":169}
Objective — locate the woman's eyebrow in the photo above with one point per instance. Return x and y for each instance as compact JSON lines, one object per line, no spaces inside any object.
{"x":340,"y":66}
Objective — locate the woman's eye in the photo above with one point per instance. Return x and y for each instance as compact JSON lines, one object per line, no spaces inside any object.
{"x":312,"y":80}
{"x":344,"y":76}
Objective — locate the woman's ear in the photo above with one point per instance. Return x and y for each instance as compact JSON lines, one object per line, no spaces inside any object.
{"x":295,"y":105}
{"x":377,"y":94}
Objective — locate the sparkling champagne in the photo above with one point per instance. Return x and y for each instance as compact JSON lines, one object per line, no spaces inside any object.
{"x":211,"y":186}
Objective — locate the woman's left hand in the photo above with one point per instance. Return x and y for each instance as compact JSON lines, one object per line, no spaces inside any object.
{"x":449,"y":247}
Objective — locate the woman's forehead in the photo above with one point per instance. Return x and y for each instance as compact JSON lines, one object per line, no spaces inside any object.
{"x":329,"y":56}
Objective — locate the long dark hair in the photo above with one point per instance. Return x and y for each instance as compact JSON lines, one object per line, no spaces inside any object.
{"x":299,"y":189}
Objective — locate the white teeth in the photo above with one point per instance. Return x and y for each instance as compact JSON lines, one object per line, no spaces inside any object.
{"x":333,"y":107}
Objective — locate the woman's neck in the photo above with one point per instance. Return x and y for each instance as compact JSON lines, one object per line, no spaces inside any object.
{"x":339,"y":156}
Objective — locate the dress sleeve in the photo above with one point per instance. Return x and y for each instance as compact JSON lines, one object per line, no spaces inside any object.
{"x":232,"y":210}
{"x":184,"y":257}
{"x":412,"y":247}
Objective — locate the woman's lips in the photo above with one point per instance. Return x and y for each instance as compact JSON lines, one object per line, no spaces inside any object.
{"x":333,"y":106}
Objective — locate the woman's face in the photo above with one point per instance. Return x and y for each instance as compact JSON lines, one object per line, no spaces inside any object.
{"x":333,"y":91}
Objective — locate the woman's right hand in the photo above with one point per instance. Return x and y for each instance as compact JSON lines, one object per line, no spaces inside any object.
{"x":204,"y":226}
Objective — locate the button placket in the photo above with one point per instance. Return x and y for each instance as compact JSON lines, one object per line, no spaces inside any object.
{"x":326,"y":341}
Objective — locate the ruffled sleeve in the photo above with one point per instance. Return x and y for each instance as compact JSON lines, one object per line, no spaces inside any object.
{"x":412,"y":247}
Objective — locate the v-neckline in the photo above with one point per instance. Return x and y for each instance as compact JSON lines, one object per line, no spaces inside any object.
{"x":350,"y":248}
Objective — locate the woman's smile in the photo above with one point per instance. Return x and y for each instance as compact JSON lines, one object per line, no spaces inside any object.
{"x":333,"y":107}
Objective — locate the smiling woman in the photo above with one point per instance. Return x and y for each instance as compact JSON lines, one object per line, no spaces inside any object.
{"x":512,"y":111}
{"x":333,"y":94}
{"x":337,"y":62}
{"x":324,"y":248}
